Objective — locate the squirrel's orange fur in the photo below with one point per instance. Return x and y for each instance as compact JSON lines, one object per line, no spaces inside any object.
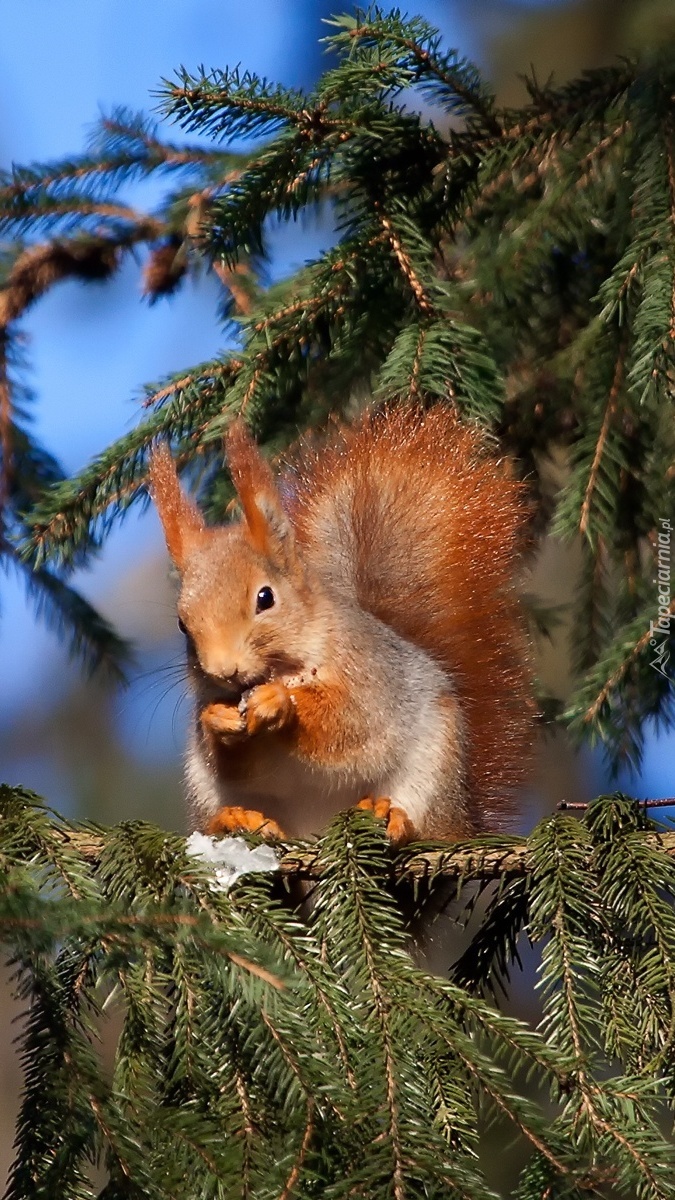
{"x":437,"y":534}
{"x":391,"y":660}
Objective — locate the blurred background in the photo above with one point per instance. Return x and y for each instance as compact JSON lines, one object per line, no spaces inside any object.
{"x":107,"y":755}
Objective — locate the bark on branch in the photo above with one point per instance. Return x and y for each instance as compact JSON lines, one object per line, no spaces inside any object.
{"x":464,"y":861}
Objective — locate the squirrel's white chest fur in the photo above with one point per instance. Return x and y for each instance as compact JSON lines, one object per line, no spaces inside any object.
{"x":300,"y":797}
{"x":413,"y":755}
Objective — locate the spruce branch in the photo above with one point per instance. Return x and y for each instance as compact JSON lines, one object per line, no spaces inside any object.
{"x":90,"y":638}
{"x":520,"y":266}
{"x":122,"y":146}
{"x":131,"y":132}
{"x":273,"y":922}
{"x":485,"y":860}
{"x":65,"y":213}
{"x":595,"y":610}
{"x":572,"y":958}
{"x":449,"y":77}
{"x":640,"y":896}
{"x":584,"y":101}
{"x":283,"y":179}
{"x":231,"y":104}
{"x":66,"y":521}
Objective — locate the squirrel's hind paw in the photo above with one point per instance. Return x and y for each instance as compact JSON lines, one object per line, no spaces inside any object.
{"x":229,"y":820}
{"x":399,"y":827}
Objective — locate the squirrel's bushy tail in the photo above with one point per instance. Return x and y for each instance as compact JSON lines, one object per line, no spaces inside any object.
{"x":409,"y":509}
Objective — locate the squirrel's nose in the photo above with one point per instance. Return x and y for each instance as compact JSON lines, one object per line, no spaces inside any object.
{"x":225,"y":670}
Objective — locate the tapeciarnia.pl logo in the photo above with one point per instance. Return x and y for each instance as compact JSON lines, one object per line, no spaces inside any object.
{"x":659,"y":630}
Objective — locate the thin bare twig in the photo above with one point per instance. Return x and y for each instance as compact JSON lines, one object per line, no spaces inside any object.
{"x":612,"y":402}
{"x":618,"y":675}
{"x":581,"y":806}
{"x":302,"y":1153}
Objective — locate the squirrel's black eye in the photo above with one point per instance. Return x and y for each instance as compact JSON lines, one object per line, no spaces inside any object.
{"x":264,"y":599}
{"x":183,"y":627}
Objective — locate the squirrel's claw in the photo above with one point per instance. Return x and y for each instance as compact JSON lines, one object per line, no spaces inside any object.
{"x":399,"y":827}
{"x":228,"y":820}
{"x":224,"y":721}
{"x":269,"y":706}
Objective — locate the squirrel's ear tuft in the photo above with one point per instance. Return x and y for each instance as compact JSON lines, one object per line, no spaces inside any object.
{"x":182,"y":521}
{"x":268,"y":526}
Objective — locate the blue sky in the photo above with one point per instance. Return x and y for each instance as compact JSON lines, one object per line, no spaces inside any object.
{"x":90,"y":349}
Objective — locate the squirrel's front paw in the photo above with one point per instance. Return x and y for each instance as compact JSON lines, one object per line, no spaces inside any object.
{"x":224,"y":721}
{"x":268,"y":706}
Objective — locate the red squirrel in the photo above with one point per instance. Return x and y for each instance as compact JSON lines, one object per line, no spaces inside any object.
{"x":356,"y":636}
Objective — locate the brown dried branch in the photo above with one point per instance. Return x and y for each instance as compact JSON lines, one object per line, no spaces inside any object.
{"x":302,"y":1153}
{"x":616,"y":677}
{"x":40,"y":267}
{"x":168,"y":263}
{"x":32,"y":274}
{"x":165,"y":268}
{"x":612,"y":402}
{"x":231,"y":278}
{"x":35,"y":270}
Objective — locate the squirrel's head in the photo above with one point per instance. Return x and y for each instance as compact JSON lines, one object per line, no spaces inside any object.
{"x":244,"y":605}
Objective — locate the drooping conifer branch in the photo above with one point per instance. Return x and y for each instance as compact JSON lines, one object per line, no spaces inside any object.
{"x":519,"y":266}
